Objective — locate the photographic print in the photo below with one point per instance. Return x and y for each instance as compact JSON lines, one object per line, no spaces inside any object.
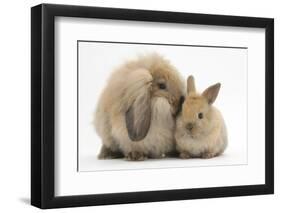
{"x":143,"y":106}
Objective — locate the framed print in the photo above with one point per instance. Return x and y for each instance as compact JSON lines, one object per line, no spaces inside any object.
{"x":139,"y":106}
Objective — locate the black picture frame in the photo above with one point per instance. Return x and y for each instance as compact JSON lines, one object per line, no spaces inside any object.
{"x":43,"y":101}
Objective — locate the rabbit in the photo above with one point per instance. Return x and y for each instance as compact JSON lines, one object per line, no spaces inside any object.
{"x":200,"y":128}
{"x":135,"y":115}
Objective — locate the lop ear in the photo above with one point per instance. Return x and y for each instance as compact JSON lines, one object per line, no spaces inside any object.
{"x":211,"y":93}
{"x":190,"y":84}
{"x":138,"y":117}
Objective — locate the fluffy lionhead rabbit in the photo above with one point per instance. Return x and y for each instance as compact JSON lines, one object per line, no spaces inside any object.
{"x":135,"y":115}
{"x":200,"y":128}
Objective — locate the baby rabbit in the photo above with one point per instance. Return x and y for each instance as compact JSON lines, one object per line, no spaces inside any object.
{"x":135,"y":115}
{"x":200,"y":128}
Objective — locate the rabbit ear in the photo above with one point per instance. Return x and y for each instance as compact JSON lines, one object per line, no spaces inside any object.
{"x":138,"y":117}
{"x":211,"y":93}
{"x":190,"y":84}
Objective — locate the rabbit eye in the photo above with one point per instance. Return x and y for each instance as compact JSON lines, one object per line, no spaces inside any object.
{"x":200,"y":115}
{"x":162,"y":86}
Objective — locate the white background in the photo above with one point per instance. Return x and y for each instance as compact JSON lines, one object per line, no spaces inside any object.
{"x":70,"y":182}
{"x":209,"y":65}
{"x":15,"y":106}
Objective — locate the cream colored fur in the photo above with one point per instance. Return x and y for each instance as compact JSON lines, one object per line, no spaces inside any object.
{"x":159,"y":139}
{"x":138,"y":79}
{"x":208,"y":144}
{"x":208,"y":137}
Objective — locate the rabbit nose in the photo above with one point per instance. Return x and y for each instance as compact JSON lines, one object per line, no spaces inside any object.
{"x":189,"y":126}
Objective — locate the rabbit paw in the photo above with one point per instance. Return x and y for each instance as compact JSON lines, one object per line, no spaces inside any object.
{"x":107,"y":153}
{"x":135,"y":156}
{"x":207,"y":155}
{"x":185,"y":155}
